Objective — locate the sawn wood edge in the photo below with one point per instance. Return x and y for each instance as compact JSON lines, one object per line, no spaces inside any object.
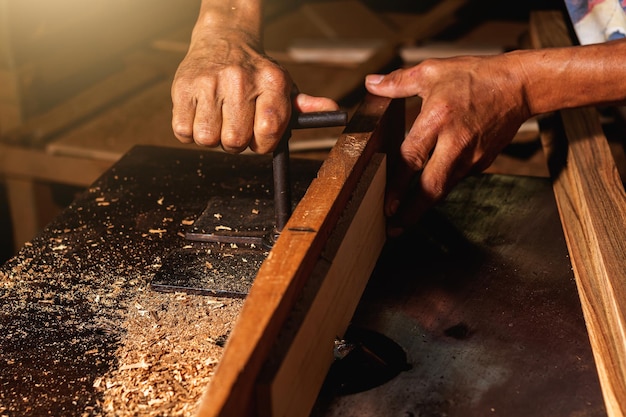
{"x":592,"y":205}
{"x":292,"y":259}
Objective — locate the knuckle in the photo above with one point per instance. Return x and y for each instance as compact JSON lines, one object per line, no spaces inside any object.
{"x":205,"y":135}
{"x":439,"y":113}
{"x":415,"y":158}
{"x":429,"y":68}
{"x":183,"y":132}
{"x":434,"y":189}
{"x":276,"y":77}
{"x":233,"y":141}
{"x":261,"y":146}
{"x":269,"y":125}
{"x":236,"y":79}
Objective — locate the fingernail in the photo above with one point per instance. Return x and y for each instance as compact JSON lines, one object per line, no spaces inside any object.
{"x":374,"y":79}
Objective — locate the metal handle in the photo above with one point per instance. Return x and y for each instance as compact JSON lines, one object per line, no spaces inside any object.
{"x":280,"y":162}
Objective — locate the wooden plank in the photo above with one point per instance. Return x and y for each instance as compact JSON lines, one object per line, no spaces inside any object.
{"x":37,"y":130}
{"x":442,"y":49}
{"x":339,"y":87}
{"x":292,"y":259}
{"x":348,"y":19}
{"x":592,"y":204}
{"x":35,"y":164}
{"x":426,"y":25}
{"x":302,"y":368}
{"x":142,"y":119}
{"x":342,"y":52}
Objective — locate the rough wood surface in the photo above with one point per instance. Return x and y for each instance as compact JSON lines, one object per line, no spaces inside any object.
{"x":288,"y":266}
{"x":346,"y":268}
{"x":592,"y":205}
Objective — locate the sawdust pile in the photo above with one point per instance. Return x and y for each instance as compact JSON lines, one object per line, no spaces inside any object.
{"x":168,"y":354}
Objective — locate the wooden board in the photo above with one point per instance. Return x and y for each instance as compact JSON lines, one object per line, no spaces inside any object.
{"x":592,"y":204}
{"x":85,"y":105}
{"x":342,"y":20}
{"x":302,"y":358}
{"x":141,"y":119}
{"x":281,"y":278}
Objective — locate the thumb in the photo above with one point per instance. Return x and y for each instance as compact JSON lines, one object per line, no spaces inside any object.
{"x":397,"y":84}
{"x":305,"y":103}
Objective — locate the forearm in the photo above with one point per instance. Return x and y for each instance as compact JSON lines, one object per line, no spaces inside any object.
{"x":572,"y":77}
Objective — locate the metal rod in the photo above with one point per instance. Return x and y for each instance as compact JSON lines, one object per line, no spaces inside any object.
{"x":280,"y":161}
{"x":282,"y":183}
{"x":319,"y":119}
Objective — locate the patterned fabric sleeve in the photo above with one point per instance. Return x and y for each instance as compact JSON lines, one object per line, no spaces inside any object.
{"x":597,"y":21}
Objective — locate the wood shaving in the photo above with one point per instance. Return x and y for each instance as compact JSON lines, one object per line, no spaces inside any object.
{"x":168,"y":354}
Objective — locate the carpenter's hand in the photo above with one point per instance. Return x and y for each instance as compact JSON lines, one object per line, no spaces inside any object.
{"x":471,"y":109}
{"x":227,"y":92}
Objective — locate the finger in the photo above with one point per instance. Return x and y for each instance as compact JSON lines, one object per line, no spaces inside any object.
{"x":439,"y":175}
{"x":414,"y":152}
{"x":304,"y":103}
{"x":273,"y":108}
{"x":183,"y":112}
{"x":238,"y":110}
{"x":207,"y":122}
{"x":270,"y":121}
{"x":399,"y":83}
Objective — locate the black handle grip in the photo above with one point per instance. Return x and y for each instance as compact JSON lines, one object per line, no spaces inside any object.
{"x":319,"y":119}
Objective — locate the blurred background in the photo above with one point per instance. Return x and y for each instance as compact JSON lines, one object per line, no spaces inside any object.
{"x":82,"y":82}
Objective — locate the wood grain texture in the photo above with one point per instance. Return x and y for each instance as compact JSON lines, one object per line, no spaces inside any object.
{"x":292,"y":259}
{"x":592,"y":205}
{"x":337,"y":289}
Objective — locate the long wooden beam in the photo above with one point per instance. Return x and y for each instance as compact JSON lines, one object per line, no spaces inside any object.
{"x":36,"y":164}
{"x":297,"y":253}
{"x":592,"y":205}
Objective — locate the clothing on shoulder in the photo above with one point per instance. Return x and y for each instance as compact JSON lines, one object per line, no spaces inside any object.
{"x":597,"y":21}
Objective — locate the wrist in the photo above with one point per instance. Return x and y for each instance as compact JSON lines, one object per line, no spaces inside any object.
{"x":237,"y":21}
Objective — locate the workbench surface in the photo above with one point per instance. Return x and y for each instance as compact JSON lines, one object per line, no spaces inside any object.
{"x":480,"y":296}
